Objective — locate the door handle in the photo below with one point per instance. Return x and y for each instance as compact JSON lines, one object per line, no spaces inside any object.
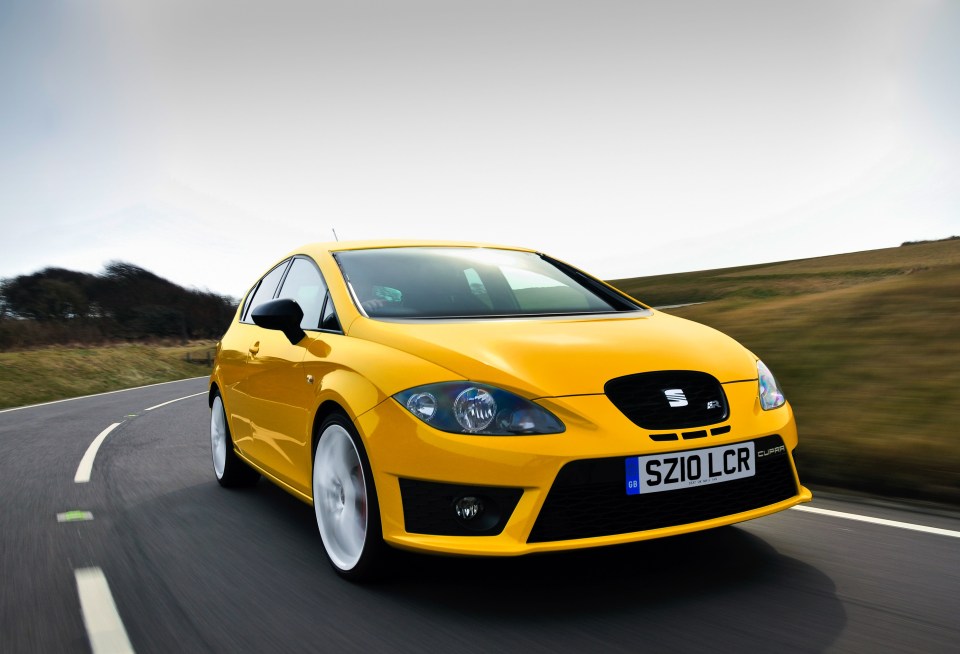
{"x":255,"y":348}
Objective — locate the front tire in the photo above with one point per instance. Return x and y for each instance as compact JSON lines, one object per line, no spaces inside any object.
{"x":230,"y":470}
{"x":345,"y":502}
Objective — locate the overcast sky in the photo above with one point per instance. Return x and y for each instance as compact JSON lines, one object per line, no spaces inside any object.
{"x":203,"y":139}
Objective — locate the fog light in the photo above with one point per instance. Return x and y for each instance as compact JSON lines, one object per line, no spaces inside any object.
{"x":468,"y":508}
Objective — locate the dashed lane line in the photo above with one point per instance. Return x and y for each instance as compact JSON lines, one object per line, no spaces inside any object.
{"x":187,"y":397}
{"x":104,"y":627}
{"x":86,"y":463}
{"x":879,"y":521}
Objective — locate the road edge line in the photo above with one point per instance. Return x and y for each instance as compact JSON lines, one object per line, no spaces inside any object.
{"x":84,"y":397}
{"x":879,"y":521}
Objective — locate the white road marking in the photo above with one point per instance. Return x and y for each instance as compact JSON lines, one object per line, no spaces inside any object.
{"x":880,"y":521}
{"x":104,"y":626}
{"x":176,"y":400}
{"x":83,"y":397}
{"x":86,"y":463}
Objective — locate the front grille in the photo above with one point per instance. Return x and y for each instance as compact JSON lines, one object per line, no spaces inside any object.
{"x":588,"y":498}
{"x":669,"y":399}
{"x":428,"y":508}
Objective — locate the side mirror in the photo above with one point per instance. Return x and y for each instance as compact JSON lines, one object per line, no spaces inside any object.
{"x":282,"y":315}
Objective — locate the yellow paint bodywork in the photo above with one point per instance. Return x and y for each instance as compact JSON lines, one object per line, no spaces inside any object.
{"x":273,"y":392}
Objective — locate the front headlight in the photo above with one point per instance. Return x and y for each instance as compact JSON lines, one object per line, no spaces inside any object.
{"x":468,"y":408}
{"x":771,"y":396}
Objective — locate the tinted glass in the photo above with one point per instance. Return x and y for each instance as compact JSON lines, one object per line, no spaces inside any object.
{"x":304,"y":284}
{"x":471,"y":282}
{"x":266,"y":289}
{"x":330,"y":321}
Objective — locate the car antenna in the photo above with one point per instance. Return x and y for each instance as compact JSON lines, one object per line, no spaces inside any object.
{"x":335,"y":237}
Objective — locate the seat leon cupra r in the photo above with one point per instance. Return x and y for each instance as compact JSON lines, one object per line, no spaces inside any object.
{"x":485,"y":400}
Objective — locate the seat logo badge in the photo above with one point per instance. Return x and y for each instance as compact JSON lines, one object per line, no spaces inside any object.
{"x":713,"y":404}
{"x":675,"y":397}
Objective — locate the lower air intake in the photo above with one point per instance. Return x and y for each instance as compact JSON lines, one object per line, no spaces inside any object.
{"x":588,"y":498}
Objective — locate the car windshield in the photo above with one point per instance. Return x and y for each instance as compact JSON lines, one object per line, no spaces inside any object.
{"x":458,"y":282}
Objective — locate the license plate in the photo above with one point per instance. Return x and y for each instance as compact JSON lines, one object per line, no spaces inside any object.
{"x":665,"y":472}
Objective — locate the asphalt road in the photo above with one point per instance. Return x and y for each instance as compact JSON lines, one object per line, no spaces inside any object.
{"x":192,"y":567}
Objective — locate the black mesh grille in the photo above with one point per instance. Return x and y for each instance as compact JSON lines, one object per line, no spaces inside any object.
{"x":669,"y":399}
{"x":589,"y":498}
{"x":428,"y":508}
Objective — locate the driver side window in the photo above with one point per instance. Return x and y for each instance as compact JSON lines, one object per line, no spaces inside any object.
{"x":304,"y":284}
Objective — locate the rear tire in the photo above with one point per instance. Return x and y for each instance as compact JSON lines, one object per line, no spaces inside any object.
{"x":345,"y":502}
{"x":230,"y":470}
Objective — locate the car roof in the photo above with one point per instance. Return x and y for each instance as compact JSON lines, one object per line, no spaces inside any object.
{"x":342,"y":246}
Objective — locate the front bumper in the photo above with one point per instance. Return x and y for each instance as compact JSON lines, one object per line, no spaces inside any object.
{"x":584,"y":506}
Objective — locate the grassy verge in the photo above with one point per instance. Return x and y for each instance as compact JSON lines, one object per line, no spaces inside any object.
{"x":866,"y":346}
{"x":46,"y":374}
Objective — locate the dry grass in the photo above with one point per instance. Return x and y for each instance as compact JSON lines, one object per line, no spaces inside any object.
{"x":871,"y":365}
{"x":54,"y":373}
{"x":791,"y":278}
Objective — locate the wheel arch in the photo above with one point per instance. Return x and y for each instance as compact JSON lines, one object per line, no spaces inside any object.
{"x":324,"y":411}
{"x":212,"y":393}
{"x":337,"y":405}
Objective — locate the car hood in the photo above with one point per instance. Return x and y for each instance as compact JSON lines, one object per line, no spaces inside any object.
{"x":554,"y":357}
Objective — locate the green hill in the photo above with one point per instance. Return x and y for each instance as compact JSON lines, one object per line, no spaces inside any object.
{"x":867,"y":346}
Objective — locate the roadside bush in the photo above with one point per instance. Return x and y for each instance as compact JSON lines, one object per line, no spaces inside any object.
{"x":126,"y":302}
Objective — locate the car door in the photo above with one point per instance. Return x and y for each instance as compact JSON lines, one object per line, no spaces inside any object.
{"x":240,"y":362}
{"x":280,"y":392}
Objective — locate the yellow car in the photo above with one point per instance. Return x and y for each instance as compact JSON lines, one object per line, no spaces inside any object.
{"x":487,"y":400}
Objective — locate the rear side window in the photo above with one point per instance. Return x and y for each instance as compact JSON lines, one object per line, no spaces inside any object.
{"x":264,"y":290}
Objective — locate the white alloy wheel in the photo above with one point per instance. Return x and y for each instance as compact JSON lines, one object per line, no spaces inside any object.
{"x":231,"y":472}
{"x":340,"y":497}
{"x":218,"y":436}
